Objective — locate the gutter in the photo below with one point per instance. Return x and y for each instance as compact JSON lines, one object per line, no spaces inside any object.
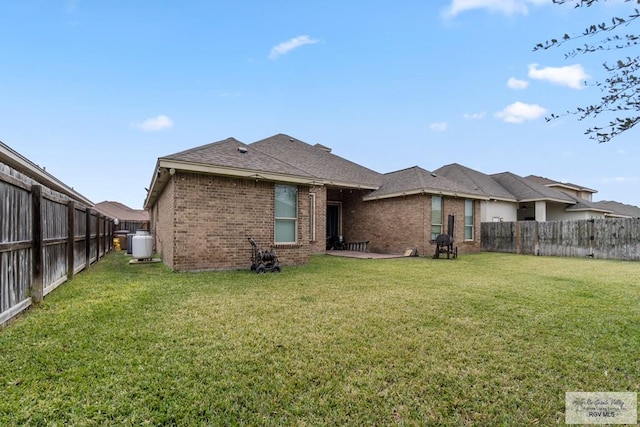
{"x":425,"y":191}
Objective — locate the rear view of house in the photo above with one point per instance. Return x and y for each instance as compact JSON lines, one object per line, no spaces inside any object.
{"x":205,"y":202}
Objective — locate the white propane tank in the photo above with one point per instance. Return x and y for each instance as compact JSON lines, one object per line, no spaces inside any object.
{"x":142,"y":245}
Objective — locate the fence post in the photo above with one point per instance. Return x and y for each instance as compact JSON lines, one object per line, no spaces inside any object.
{"x":37,"y":287}
{"x":71,"y":238}
{"x":98,"y":236}
{"x":592,"y":237}
{"x":87,"y":238}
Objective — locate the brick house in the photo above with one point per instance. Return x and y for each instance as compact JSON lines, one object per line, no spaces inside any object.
{"x":204,"y":203}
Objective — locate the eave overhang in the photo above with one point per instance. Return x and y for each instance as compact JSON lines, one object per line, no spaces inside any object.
{"x":430,"y":191}
{"x":566,"y":202}
{"x":165,"y":168}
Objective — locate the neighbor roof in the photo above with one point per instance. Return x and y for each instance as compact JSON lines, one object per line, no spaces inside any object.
{"x":416,"y":180}
{"x":586,"y":205}
{"x":18,"y":162}
{"x":551,"y":183}
{"x":619,"y":209}
{"x":528,"y":191}
{"x":122,"y":212}
{"x":478,"y":181}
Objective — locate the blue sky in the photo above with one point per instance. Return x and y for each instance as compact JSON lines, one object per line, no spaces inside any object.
{"x":96,"y":91}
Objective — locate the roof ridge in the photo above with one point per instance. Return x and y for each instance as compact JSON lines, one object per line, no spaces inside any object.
{"x":201,"y":147}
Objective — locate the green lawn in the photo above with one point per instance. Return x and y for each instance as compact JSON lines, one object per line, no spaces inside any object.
{"x":487,"y":339}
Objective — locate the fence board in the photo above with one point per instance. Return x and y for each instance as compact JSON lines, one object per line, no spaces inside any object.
{"x":44,"y":240}
{"x":610,"y":238}
{"x":500,"y":237}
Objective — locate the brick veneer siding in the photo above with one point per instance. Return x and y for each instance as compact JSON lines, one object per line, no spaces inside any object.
{"x":162,"y":218}
{"x":214,"y":215}
{"x":395,"y":224}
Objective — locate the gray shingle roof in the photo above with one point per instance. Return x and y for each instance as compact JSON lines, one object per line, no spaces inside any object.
{"x":528,"y":190}
{"x":551,"y":183}
{"x":283,"y":157}
{"x":121,"y":211}
{"x":226,"y":153}
{"x":618,"y":208}
{"x":586,"y":205}
{"x":475,"y":180}
{"x":318,"y":161}
{"x":416,"y":180}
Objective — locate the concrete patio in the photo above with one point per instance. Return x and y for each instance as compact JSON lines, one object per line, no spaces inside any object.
{"x":363,"y":255}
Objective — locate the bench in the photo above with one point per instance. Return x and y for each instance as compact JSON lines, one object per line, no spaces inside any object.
{"x":360,"y":246}
{"x":340,"y":244}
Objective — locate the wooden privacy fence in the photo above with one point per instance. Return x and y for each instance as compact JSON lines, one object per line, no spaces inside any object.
{"x":611,"y":238}
{"x":45,"y":238}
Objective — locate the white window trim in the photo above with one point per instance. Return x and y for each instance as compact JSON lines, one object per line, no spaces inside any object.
{"x":473,"y":220}
{"x":294,"y":219}
{"x":312,"y":217}
{"x":441,"y":217}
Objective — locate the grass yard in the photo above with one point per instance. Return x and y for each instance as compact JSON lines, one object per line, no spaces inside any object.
{"x":487,"y":339}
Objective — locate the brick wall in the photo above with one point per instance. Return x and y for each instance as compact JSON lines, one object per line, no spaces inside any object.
{"x":393,"y":225}
{"x":201,"y":222}
{"x":455,"y":207}
{"x":213,"y":216}
{"x":162,"y":219}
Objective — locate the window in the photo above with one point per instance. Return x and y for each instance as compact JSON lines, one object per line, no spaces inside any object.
{"x":312,"y":217}
{"x":286,"y":213}
{"x":468,"y":220}
{"x":436,"y":216}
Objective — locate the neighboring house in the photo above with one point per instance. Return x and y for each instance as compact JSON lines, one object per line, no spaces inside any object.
{"x":618,"y":210}
{"x":584,"y":203}
{"x":514,"y":198}
{"x":127,"y":219}
{"x":573,"y":190}
{"x":26,"y":167}
{"x":537,"y":202}
{"x":205,"y":202}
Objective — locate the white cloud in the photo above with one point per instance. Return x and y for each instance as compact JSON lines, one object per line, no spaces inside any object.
{"x":439,"y":126}
{"x":620,"y":179}
{"x":286,"y":47}
{"x":475,"y":116}
{"x":519,"y":112}
{"x":514,"y":83}
{"x":154,"y":124}
{"x":72,"y":6}
{"x":572,"y":76}
{"x":507,"y":7}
